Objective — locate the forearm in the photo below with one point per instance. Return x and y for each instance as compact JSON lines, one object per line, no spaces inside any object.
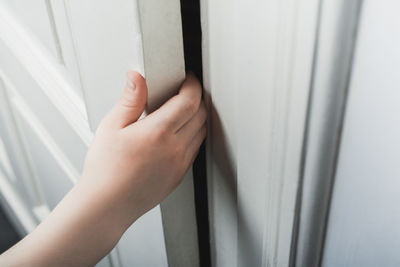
{"x":83,"y":228}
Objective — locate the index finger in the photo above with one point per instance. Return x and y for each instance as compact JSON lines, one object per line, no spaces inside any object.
{"x":182,"y":107}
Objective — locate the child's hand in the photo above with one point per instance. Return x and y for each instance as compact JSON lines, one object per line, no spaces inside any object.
{"x":137,"y":163}
{"x":130,"y":167}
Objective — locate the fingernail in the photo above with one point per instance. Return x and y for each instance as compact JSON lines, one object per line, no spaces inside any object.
{"x":130,"y":84}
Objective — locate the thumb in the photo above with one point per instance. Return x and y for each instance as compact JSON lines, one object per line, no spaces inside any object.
{"x":132,"y":102}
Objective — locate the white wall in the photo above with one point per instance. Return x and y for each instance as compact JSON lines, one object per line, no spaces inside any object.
{"x":364,"y":221}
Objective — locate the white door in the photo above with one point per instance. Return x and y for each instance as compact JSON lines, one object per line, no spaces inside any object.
{"x":302,"y":148}
{"x":287,"y":184}
{"x":62,"y":67}
{"x":257,"y":63}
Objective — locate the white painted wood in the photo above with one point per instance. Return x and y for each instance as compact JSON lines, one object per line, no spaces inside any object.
{"x":332,"y":66}
{"x":87,"y":46}
{"x":45,"y":110}
{"x":46,"y":22}
{"x":65,"y":39}
{"x":45,"y":71}
{"x":163,"y":59}
{"x":55,"y":183}
{"x":18,"y":199}
{"x":47,"y":141}
{"x":20,"y":195}
{"x":107,"y":45}
{"x":141,"y":35}
{"x":218,"y":42}
{"x":20,"y":175}
{"x":180,"y":226}
{"x":15,"y":207}
{"x":5,"y":164}
{"x":257,"y":65}
{"x":145,"y":36}
{"x":141,"y":245}
{"x":363,"y":227}
{"x":35,"y":18}
{"x":48,"y":84}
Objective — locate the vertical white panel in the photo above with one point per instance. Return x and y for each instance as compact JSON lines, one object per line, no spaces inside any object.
{"x":65,"y":40}
{"x":163,"y":58}
{"x":35,"y":17}
{"x":105,"y":36}
{"x":180,"y":226}
{"x":112,"y":37}
{"x":17,"y":187}
{"x":220,"y":83}
{"x":53,"y":178}
{"x":45,"y":110}
{"x":141,"y":244}
{"x":19,"y":173}
{"x":45,"y":72}
{"x":107,"y":44}
{"x":5,"y":164}
{"x":46,"y":21}
{"x":363,"y":227}
{"x":332,"y":67}
{"x":257,"y":61}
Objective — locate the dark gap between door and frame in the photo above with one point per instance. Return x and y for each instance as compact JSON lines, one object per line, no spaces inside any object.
{"x":191,"y":25}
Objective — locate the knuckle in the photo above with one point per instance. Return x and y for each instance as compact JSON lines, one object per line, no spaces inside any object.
{"x":155,"y":136}
{"x":190,"y":105}
{"x":160,"y":134}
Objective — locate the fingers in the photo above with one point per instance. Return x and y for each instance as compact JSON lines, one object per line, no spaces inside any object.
{"x":189,"y":130}
{"x":132,"y":102}
{"x":194,"y":146}
{"x":181,"y":108}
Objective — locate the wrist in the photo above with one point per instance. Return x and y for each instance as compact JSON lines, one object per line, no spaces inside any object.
{"x":109,"y":202}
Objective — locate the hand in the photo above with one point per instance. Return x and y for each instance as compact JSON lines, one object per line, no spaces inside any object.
{"x":131,"y":166}
{"x":139,"y":162}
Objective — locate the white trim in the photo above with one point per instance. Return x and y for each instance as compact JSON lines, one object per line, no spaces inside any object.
{"x":16,"y":100}
{"x":16,"y":205}
{"x":46,"y":72}
{"x":5,"y":161}
{"x":258,"y":107}
{"x":332,"y":67}
{"x":44,"y":136}
{"x":297,"y":22}
{"x":66,"y":41}
{"x":54,"y":32}
{"x":28,"y":176}
{"x":164,"y":65}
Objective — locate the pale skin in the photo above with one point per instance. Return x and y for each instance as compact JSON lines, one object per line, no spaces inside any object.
{"x":131,"y":166}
